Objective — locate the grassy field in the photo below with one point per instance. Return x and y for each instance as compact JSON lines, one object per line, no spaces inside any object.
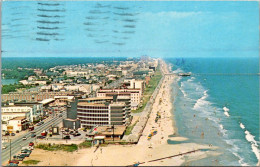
{"x":63,"y":147}
{"x":130,"y":128}
{"x":85,"y":144}
{"x":56,"y":147}
{"x":31,"y":162}
{"x":150,"y":89}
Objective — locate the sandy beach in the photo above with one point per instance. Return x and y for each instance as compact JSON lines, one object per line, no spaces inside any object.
{"x":143,"y":152}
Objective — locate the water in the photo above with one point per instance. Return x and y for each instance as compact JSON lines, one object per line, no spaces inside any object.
{"x":223,"y":107}
{"x":8,"y":81}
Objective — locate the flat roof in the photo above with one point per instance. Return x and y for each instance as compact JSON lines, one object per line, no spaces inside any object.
{"x":13,"y":113}
{"x":118,"y":93}
{"x":17,"y":106}
{"x":90,"y":104}
{"x":46,"y":101}
{"x":99,"y":137}
{"x":99,"y":98}
{"x":107,"y":130}
{"x":67,"y":97}
{"x":137,"y":89}
{"x":18,"y":118}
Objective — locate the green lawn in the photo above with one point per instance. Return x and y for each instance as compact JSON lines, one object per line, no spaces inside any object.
{"x":56,"y":147}
{"x":85,"y":144}
{"x":13,"y":88}
{"x":150,"y":89}
{"x":31,"y":162}
{"x":130,"y":128}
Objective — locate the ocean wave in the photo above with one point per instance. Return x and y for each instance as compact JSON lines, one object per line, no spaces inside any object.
{"x":221,"y":126}
{"x":226,"y":111}
{"x":235,"y":150}
{"x":240,"y":160}
{"x":178,"y":70}
{"x":191,"y":79}
{"x":242,"y":126}
{"x":183,"y":92}
{"x":201,"y":101}
{"x":250,"y":138}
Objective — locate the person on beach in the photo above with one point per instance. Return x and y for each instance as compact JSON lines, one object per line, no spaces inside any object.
{"x":202,"y":135}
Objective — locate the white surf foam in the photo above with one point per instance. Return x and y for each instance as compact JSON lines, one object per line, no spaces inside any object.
{"x":182,"y":90}
{"x":226,"y":111}
{"x":227,"y":114}
{"x":242,"y":126}
{"x":254,"y":145}
{"x":201,"y":101}
{"x":221,"y":126}
{"x":178,"y":70}
{"x":240,"y":159}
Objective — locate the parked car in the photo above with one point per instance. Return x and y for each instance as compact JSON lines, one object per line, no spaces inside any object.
{"x":21,"y":156}
{"x":60,"y":115}
{"x":40,"y":137}
{"x":76,"y":134}
{"x":66,"y":137}
{"x":24,"y":138}
{"x":13,"y":161}
{"x":26,"y":154}
{"x":18,"y":157}
{"x":26,"y":151}
{"x":27,"y":148}
{"x":33,"y":135}
{"x":12,"y":134}
{"x":31,"y":144}
{"x":12,"y":164}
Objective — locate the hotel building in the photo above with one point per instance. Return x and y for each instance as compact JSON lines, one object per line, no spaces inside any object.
{"x":100,"y":112}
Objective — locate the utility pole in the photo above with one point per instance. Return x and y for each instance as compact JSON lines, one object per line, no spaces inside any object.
{"x":10,"y":149}
{"x":113,"y":132}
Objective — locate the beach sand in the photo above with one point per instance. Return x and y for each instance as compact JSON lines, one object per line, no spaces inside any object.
{"x":146,"y":150}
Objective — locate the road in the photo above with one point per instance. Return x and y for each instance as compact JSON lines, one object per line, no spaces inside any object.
{"x":116,"y":83}
{"x":18,"y":143}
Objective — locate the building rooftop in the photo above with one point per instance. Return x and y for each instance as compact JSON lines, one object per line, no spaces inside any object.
{"x":100,"y":98}
{"x":65,"y":97}
{"x":90,"y":104}
{"x":16,"y":106}
{"x":18,"y":118}
{"x":13,"y":113}
{"x":46,"y":101}
{"x":108,"y":130}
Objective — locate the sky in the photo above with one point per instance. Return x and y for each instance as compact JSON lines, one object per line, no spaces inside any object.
{"x":130,"y":29}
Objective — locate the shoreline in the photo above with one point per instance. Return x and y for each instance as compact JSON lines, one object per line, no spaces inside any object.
{"x":153,"y":152}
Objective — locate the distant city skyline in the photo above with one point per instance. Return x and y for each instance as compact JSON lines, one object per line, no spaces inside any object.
{"x":130,"y":29}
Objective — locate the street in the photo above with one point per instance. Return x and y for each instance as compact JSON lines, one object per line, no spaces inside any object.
{"x":18,"y":143}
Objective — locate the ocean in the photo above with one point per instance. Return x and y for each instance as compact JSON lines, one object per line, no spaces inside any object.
{"x":221,"y":100}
